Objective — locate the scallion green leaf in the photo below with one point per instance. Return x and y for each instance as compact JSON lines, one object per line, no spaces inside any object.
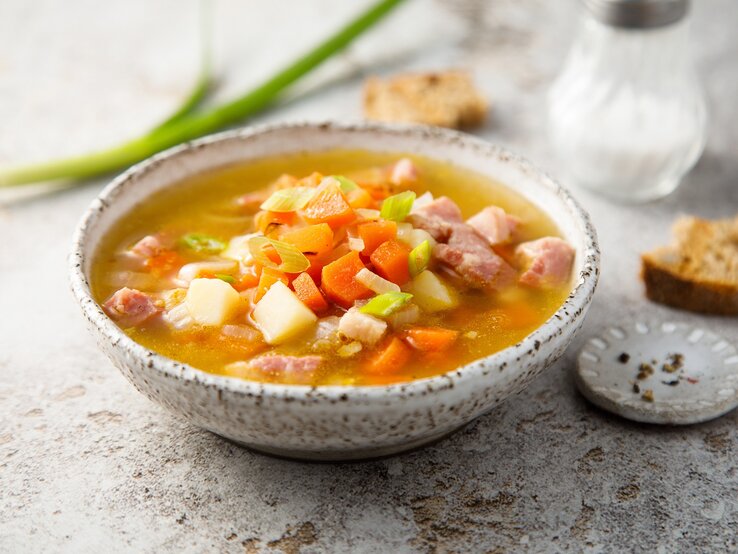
{"x":397,"y":207}
{"x":288,"y":200}
{"x":385,"y":304}
{"x":202,"y":244}
{"x":186,"y":126}
{"x":227,"y":278}
{"x":293,"y":261}
{"x":346,"y":184}
{"x":419,"y":258}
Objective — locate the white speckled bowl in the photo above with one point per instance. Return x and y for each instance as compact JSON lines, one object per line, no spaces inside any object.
{"x":335,"y":423}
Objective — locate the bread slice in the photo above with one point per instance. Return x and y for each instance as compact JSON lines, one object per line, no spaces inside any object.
{"x":446,"y":99}
{"x":699,"y":271}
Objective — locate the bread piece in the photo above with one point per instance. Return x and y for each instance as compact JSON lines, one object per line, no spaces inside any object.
{"x":446,"y":99}
{"x":699,"y":271}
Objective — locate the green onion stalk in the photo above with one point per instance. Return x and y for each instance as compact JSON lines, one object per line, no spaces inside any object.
{"x":184,"y":125}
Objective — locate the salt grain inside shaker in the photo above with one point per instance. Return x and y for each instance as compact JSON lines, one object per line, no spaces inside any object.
{"x":627,"y":116}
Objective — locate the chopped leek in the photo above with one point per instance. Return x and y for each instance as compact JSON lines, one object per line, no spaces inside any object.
{"x":293,"y":261}
{"x":203,"y":244}
{"x":397,"y":207}
{"x":367,"y":214}
{"x":356,"y":244}
{"x":374,"y":282}
{"x":350,"y":349}
{"x":346,"y":184}
{"x":419,"y":257}
{"x":385,"y":304}
{"x":227,"y":278}
{"x":288,"y":200}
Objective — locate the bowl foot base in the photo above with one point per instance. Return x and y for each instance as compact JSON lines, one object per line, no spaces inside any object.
{"x":349,"y":454}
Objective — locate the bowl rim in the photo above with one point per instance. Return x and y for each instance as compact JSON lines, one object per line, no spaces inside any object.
{"x":575,"y":303}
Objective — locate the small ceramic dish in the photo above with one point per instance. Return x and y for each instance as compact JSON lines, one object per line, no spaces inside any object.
{"x":332,"y":422}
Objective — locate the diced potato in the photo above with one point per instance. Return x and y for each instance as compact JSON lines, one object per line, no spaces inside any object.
{"x":362,"y":327}
{"x":281,"y":316}
{"x":431,"y":293}
{"x":212,"y":301}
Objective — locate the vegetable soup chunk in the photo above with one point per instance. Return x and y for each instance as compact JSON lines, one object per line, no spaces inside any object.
{"x":333,"y":268}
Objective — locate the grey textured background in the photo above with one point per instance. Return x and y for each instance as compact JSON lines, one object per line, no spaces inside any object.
{"x":89,"y":465}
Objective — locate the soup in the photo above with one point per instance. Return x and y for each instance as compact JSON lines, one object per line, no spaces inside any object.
{"x":332,"y":268}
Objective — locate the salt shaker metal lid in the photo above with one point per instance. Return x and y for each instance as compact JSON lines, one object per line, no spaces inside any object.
{"x":638,"y":14}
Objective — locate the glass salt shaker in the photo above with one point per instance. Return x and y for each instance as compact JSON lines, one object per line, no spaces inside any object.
{"x":627,"y":116}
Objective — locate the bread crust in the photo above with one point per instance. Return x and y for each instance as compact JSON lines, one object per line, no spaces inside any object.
{"x":444,"y":98}
{"x":667,"y":287}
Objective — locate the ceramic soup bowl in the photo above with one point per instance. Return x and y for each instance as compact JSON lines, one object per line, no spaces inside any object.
{"x":334,"y":422}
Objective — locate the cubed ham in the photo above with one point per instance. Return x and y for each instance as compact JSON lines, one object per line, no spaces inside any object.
{"x":547,"y":261}
{"x":470,"y":256}
{"x":443,"y":208}
{"x":251,"y":201}
{"x":130,"y":307}
{"x":437,"y":217}
{"x":362,"y":327}
{"x":291,"y":369}
{"x":403,"y":172}
{"x":148,"y":247}
{"x":460,"y":246}
{"x":494,"y":224}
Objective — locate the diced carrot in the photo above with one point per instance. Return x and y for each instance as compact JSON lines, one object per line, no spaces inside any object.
{"x":390,"y":260}
{"x":309,"y":294}
{"x":360,"y":198}
{"x":268,"y":222}
{"x":329,"y":205}
{"x":271,"y":253}
{"x":378,"y":191}
{"x":374,"y":233}
{"x":312,"y":180}
{"x":317,"y":261}
{"x":246,"y":281}
{"x":430,"y":339}
{"x":339,"y":283}
{"x":268,"y":277}
{"x":285,"y":181}
{"x":390,"y":359}
{"x":313,"y":239}
{"x":163,"y":262}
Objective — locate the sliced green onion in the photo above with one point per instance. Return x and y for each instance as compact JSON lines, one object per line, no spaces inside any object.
{"x":203,"y":244}
{"x":227,"y":278}
{"x":346,"y":184}
{"x":418,"y":258}
{"x":398,"y":207}
{"x":293,"y":261}
{"x":288,"y":200}
{"x":385,"y":304}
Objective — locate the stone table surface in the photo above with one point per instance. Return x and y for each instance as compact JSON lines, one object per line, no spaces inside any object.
{"x":89,"y":465}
